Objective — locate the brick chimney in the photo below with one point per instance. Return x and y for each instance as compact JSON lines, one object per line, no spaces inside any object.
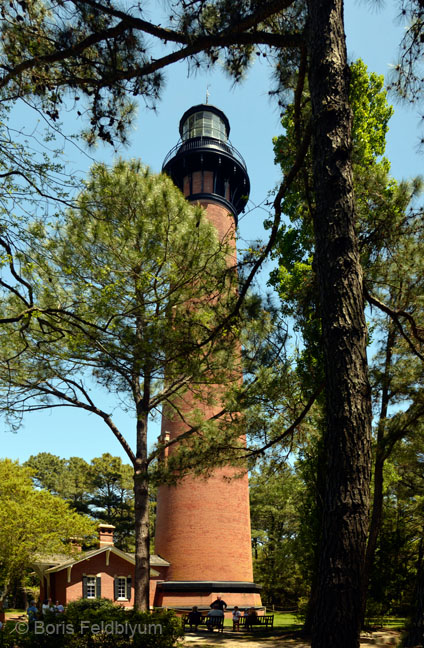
{"x":106,"y":535}
{"x":76,"y":545}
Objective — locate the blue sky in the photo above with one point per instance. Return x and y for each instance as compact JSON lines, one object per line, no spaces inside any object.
{"x":372,"y":35}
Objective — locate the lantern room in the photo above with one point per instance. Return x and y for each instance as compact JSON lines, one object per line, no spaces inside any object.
{"x":204,"y":165}
{"x":204,"y":123}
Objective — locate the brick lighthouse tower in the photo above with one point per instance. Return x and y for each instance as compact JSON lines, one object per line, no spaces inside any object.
{"x":203,"y":526}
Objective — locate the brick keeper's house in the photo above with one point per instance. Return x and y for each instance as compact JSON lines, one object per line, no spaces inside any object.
{"x":104,"y":572}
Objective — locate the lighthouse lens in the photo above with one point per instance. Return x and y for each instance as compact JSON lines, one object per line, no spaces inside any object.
{"x":204,"y":124}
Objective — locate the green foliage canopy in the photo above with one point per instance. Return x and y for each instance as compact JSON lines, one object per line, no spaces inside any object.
{"x":275,"y":495}
{"x":371,"y":113}
{"x":102,"y":489}
{"x":32,"y":522}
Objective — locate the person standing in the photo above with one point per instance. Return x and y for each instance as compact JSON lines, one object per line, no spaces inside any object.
{"x":219,"y":604}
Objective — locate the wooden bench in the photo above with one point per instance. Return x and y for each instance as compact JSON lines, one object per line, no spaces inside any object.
{"x":262,"y":621}
{"x":209,"y":622}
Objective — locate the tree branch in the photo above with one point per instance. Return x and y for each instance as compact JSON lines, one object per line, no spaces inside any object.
{"x":34,"y":186}
{"x":399,"y":425}
{"x":395,"y":315}
{"x":68,"y":52}
{"x":236,"y":35}
{"x":291,"y":428}
{"x":51,"y":390}
{"x":17,"y":276}
{"x":264,"y":11}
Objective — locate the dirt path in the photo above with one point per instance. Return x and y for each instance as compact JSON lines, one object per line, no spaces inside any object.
{"x":229,"y":640}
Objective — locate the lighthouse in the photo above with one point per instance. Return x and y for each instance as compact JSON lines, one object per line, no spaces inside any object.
{"x":203,"y":525}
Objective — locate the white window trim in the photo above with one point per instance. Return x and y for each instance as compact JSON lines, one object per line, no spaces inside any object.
{"x":91,"y":598}
{"x":123,"y":598}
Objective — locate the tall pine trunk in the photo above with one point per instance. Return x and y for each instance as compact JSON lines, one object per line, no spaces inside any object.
{"x":347,"y":446}
{"x":141,"y":513}
{"x":141,"y":395}
{"x":415,"y":635}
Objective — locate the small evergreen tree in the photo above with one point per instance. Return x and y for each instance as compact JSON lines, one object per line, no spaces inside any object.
{"x":145,"y":283}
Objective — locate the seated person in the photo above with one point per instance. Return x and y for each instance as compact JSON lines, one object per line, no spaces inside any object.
{"x":194,"y":617}
{"x":213,"y":616}
{"x":251,"y":618}
{"x":236,"y":618}
{"x":47,"y":607}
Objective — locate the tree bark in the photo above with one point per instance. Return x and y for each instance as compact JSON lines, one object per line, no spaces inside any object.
{"x":415,"y":635}
{"x":141,"y":394}
{"x":141,"y":488}
{"x":142,"y":536}
{"x":380,"y":458}
{"x":348,"y":408}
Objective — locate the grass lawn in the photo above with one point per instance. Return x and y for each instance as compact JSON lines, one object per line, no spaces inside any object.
{"x":289,"y":622}
{"x":286,"y":620}
{"x":392,"y":623}
{"x":13,"y":612}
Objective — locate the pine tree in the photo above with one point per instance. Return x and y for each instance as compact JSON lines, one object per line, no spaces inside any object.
{"x":145,"y":282}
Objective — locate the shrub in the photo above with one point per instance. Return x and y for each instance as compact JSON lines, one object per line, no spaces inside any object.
{"x":375,"y":612}
{"x":302,"y":608}
{"x":98,"y":624}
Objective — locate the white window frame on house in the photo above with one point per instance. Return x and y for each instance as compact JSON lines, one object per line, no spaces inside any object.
{"x":93,"y":584}
{"x":123,"y":580}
